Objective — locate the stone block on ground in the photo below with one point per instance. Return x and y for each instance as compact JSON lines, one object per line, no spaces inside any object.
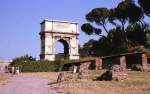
{"x":84,"y":74}
{"x":118,"y":73}
{"x":66,"y":76}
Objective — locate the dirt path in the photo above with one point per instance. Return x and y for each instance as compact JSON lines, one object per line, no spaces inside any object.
{"x":27,"y":85}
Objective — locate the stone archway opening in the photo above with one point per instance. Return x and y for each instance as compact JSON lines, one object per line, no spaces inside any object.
{"x":61,"y":48}
{"x":65,"y":32}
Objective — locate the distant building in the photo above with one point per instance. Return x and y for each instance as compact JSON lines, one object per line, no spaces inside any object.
{"x":4,"y":63}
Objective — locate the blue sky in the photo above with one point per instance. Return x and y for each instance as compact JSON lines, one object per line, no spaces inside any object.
{"x":20,"y":22}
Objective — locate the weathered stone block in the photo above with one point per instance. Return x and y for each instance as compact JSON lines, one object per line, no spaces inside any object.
{"x":118,"y":72}
{"x":98,"y":62}
{"x":123,"y":61}
{"x":144,"y":61}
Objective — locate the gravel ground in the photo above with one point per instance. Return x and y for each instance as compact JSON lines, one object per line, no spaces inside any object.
{"x":27,"y":85}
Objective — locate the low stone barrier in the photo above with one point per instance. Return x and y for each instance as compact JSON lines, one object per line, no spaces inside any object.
{"x":70,"y":76}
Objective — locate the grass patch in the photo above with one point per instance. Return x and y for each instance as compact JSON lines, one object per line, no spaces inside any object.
{"x":136,"y":83}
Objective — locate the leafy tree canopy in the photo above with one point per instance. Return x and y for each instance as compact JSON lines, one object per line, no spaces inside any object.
{"x":128,"y":28}
{"x":24,"y":58}
{"x":145,"y":4}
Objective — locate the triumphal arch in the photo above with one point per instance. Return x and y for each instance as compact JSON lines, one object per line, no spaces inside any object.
{"x":65,"y":32}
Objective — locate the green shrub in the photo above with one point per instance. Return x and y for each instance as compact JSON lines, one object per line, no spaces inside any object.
{"x":24,"y":58}
{"x":40,"y":66}
{"x":35,"y":66}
